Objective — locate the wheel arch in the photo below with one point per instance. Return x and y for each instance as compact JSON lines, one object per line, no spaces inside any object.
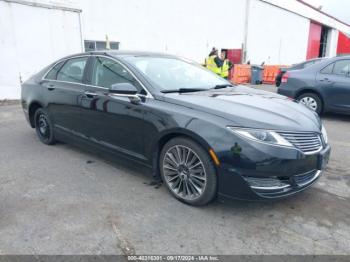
{"x":34,"y":105}
{"x":313,"y":91}
{"x":167,"y":136}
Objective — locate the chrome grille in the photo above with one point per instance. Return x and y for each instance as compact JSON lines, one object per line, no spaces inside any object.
{"x":306,"y":142}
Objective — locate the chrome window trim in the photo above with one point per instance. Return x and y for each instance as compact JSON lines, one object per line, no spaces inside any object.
{"x":148,"y":94}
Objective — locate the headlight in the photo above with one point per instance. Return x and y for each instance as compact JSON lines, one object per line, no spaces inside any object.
{"x":259,"y":135}
{"x":324,"y":134}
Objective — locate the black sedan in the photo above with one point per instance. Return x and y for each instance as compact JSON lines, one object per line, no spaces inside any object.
{"x":323,"y":87}
{"x":299,"y":66}
{"x":198,"y":133}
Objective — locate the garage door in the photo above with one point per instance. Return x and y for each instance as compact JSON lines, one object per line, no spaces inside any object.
{"x":31,"y":38}
{"x":313,"y":49}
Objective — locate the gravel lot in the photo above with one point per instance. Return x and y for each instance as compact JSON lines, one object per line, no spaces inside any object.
{"x":63,"y":200}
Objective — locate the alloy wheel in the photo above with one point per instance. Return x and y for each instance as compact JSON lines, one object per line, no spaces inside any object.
{"x":184,"y":172}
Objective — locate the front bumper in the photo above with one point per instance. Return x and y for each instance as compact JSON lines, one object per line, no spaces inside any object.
{"x":263,"y":174}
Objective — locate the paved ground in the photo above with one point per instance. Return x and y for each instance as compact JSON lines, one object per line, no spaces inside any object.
{"x":63,"y":200}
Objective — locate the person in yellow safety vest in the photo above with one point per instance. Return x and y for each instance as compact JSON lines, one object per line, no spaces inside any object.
{"x":226,"y":66}
{"x":213,"y":62}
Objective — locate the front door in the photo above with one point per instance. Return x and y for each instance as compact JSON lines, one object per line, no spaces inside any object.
{"x":109,"y":120}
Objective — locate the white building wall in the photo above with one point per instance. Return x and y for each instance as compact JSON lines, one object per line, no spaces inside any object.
{"x":276,"y":32}
{"x":332,"y":42}
{"x":31,"y":38}
{"x":187,"y":28}
{"x":312,"y":14}
{"x":275,"y":36}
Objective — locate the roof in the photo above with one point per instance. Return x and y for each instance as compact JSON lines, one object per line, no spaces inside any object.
{"x":304,"y":9}
{"x":117,"y":53}
{"x":127,"y":53}
{"x":322,"y":12}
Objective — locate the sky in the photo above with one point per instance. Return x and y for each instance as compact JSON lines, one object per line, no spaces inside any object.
{"x":337,"y":8}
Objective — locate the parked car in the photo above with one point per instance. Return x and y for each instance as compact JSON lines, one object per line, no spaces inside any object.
{"x":200,"y":134}
{"x":299,"y":66}
{"x":323,"y":87}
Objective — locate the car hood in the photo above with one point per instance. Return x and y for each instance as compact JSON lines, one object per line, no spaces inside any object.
{"x":248,"y":107}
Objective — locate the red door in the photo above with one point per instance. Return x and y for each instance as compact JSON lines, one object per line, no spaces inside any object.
{"x":343,"y":44}
{"x":313,"y":49}
{"x":234,"y":55}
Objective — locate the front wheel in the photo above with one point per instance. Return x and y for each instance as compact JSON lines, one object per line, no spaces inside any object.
{"x":311,"y":101}
{"x":188,"y":171}
{"x":43,"y":127}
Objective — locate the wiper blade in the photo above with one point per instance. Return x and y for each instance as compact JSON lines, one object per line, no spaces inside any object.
{"x":222,"y":86}
{"x":183,"y":90}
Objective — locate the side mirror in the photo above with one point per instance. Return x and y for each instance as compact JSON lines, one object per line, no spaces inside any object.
{"x":123,"y":89}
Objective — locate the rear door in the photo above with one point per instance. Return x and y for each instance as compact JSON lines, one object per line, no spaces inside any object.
{"x":63,"y":87}
{"x":335,"y":83}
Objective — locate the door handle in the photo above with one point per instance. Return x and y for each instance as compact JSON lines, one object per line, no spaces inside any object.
{"x":90,"y":94}
{"x":51,"y":87}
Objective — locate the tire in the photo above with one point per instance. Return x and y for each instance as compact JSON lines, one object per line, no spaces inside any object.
{"x":44,"y":127}
{"x":188,"y":171}
{"x":312,"y":101}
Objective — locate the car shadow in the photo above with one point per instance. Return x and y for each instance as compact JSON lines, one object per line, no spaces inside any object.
{"x":334,"y":116}
{"x":145,"y":175}
{"x":121,"y":163}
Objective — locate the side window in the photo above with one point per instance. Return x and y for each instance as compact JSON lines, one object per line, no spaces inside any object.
{"x":107,"y":72}
{"x":73,"y":70}
{"x":328,"y":69}
{"x":310,"y":63}
{"x":52,"y":74}
{"x":342,"y":67}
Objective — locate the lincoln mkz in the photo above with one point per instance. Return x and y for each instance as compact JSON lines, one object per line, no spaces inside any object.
{"x":201,"y":135}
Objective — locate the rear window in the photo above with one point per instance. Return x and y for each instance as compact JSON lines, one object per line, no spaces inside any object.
{"x":342,"y":67}
{"x":328,"y":69}
{"x":52,"y":74}
{"x":73,"y":70}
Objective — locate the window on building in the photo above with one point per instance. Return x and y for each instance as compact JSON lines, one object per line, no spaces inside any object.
{"x":342,"y":67}
{"x":107,"y":72}
{"x":91,"y":45}
{"x":73,"y":70}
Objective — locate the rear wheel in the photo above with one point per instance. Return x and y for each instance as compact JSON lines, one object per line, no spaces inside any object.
{"x":43,"y":127}
{"x":188,"y":171}
{"x":312,"y":101}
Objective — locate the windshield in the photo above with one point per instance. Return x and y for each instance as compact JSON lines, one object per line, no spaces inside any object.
{"x":172,"y":73}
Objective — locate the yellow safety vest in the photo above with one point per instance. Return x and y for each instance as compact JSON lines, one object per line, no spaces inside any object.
{"x":225,"y":69}
{"x":211,"y":65}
